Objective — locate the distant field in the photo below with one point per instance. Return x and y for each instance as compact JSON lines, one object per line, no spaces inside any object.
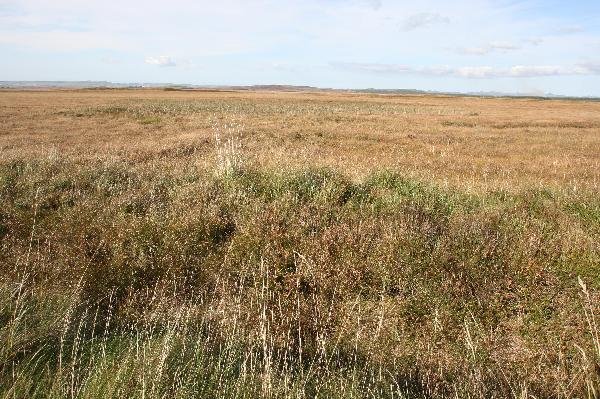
{"x":477,"y":143}
{"x":254,"y":244}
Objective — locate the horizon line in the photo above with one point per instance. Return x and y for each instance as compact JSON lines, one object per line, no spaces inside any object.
{"x":99,"y":84}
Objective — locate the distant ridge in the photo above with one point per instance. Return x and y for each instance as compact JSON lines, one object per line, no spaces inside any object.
{"x":91,"y":84}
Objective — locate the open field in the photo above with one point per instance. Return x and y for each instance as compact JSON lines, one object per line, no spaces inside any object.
{"x":256,"y":244}
{"x":474,"y":143}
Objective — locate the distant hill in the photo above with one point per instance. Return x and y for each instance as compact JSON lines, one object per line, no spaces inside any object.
{"x":90,"y":84}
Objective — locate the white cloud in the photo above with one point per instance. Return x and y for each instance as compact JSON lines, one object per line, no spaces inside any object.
{"x":567,"y":30}
{"x":473,"y":50}
{"x":423,"y":19}
{"x":534,"y":41}
{"x":594,"y":67}
{"x":503,"y":46}
{"x":472,"y":72}
{"x":489,"y":48}
{"x":475,"y":72}
{"x":162,"y":61}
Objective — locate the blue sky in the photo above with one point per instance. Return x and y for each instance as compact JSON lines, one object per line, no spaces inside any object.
{"x":529,"y":46}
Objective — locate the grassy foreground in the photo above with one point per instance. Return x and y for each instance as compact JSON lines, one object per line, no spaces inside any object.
{"x":121,"y":279}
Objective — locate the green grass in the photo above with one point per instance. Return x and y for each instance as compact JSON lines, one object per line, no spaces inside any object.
{"x":125,"y":280}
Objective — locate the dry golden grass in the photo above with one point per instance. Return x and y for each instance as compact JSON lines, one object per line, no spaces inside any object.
{"x":473,"y":143}
{"x":252,"y":244}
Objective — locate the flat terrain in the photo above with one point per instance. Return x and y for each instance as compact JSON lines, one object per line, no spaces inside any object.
{"x":161,"y":243}
{"x":478,"y":143}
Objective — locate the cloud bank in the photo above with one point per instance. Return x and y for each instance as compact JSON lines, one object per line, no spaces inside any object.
{"x":475,"y":72}
{"x":489,"y":48}
{"x":162,"y":61}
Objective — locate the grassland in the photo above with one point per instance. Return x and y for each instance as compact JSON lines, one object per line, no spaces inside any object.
{"x":158,"y":244}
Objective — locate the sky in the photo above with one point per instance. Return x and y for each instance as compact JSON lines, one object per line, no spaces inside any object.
{"x":511,"y":46}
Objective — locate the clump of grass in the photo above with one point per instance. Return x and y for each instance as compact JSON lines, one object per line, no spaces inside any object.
{"x":150,"y":121}
{"x":228,"y":146}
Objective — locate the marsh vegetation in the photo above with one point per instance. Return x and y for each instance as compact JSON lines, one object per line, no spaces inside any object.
{"x":172,"y":244}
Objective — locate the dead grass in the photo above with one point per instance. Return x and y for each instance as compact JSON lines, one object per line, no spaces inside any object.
{"x":177,"y":244}
{"x":472,"y":143}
